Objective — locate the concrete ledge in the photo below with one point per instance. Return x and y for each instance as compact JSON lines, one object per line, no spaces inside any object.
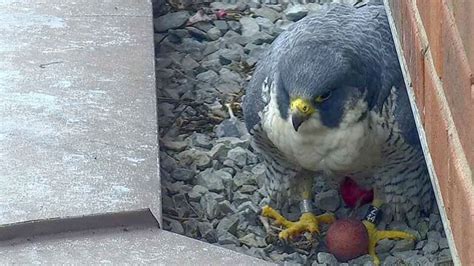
{"x":78,"y":132}
{"x":118,"y":246}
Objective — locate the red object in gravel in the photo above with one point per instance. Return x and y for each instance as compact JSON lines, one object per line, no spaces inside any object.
{"x":221,"y":14}
{"x":354,"y":195}
{"x":347,"y":239}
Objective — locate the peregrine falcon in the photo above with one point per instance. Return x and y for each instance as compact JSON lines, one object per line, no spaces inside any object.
{"x":328,"y":98}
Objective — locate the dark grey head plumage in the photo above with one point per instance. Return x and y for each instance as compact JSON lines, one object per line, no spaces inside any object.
{"x":343,"y":50}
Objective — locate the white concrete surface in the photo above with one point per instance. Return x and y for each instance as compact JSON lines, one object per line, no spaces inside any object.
{"x":78,"y":127}
{"x":143,"y":245}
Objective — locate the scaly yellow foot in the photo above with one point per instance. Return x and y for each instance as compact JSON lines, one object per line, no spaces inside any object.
{"x":375,"y":236}
{"x":308,"y":222}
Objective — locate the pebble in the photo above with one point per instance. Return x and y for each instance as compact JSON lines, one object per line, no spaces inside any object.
{"x":443,"y":243}
{"x":238,"y":155}
{"x":214,"y":33}
{"x":212,"y":179}
{"x":228,"y":224}
{"x":250,"y":27}
{"x":176,"y":227}
{"x":207,"y":232}
{"x":327,"y":200}
{"x":296,"y":12}
{"x":227,"y":238}
{"x":327,"y":258}
{"x":209,"y":76}
{"x":404,"y":245}
{"x":267,"y":13}
{"x":252,"y":240}
{"x":182,"y":174}
{"x":174,"y":145}
{"x":365,"y":260}
{"x":221,"y":25}
{"x":430,"y":247}
{"x":171,"y":21}
{"x":234,"y":25}
{"x":384,"y":245}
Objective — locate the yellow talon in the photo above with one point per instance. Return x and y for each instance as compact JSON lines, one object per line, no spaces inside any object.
{"x":308,"y":222}
{"x":375,"y":236}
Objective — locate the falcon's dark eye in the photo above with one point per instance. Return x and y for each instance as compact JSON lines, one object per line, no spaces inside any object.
{"x":323,"y":97}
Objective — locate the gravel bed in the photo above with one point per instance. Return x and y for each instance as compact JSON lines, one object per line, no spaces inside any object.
{"x":211,"y":178}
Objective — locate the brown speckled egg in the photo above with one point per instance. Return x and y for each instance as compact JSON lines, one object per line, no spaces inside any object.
{"x":347,"y":239}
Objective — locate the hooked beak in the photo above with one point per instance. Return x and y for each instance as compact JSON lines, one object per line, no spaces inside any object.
{"x":301,"y":110}
{"x":297,"y":119}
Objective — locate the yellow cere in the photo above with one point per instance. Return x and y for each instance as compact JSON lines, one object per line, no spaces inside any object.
{"x":302,"y":105}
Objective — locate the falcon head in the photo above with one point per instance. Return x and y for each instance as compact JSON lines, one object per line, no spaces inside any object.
{"x":322,"y":86}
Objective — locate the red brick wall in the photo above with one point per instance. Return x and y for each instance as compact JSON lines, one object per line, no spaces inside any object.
{"x":437,"y":43}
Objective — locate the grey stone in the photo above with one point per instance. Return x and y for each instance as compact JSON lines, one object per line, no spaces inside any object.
{"x":328,"y":200}
{"x":327,"y":258}
{"x":209,"y":205}
{"x":265,"y":25}
{"x":433,"y":220}
{"x":443,"y":243}
{"x":384,"y":245}
{"x":238,"y":155}
{"x":228,"y":75}
{"x":207,"y":232}
{"x":214,"y":33}
{"x":171,"y":21}
{"x":296,"y":12}
{"x":228,"y":87}
{"x":250,"y":27}
{"x":230,"y":54}
{"x":259,"y":174}
{"x":404,"y":245}
{"x":243,"y":178}
{"x":182,"y":174}
{"x":212,"y":64}
{"x":219,"y":150}
{"x":249,"y":211}
{"x":420,"y":244}
{"x":209,"y":76}
{"x":252,"y":240}
{"x":203,"y":25}
{"x":423,"y":229}
{"x":405,"y":254}
{"x":230,"y":128}
{"x":191,"y":228}
{"x":189,"y":63}
{"x":365,"y":260}
{"x":418,"y":260}
{"x":239,"y":198}
{"x":234,"y":25}
{"x":228,"y":238}
{"x":221,"y":25}
{"x":203,"y":162}
{"x":167,"y":162}
{"x":174,"y":145}
{"x":430,"y":247}
{"x":268,"y":13}
{"x":197,"y":192}
{"x":249,"y":189}
{"x":282,"y":25}
{"x":263,"y":38}
{"x":225,"y":208}
{"x":391,"y":260}
{"x":176,"y":226}
{"x":444,"y":254}
{"x":212,"y":179}
{"x":228,"y":224}
{"x":295,"y":258}
{"x":434,"y":236}
{"x":201,"y":140}
{"x":211,"y":47}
